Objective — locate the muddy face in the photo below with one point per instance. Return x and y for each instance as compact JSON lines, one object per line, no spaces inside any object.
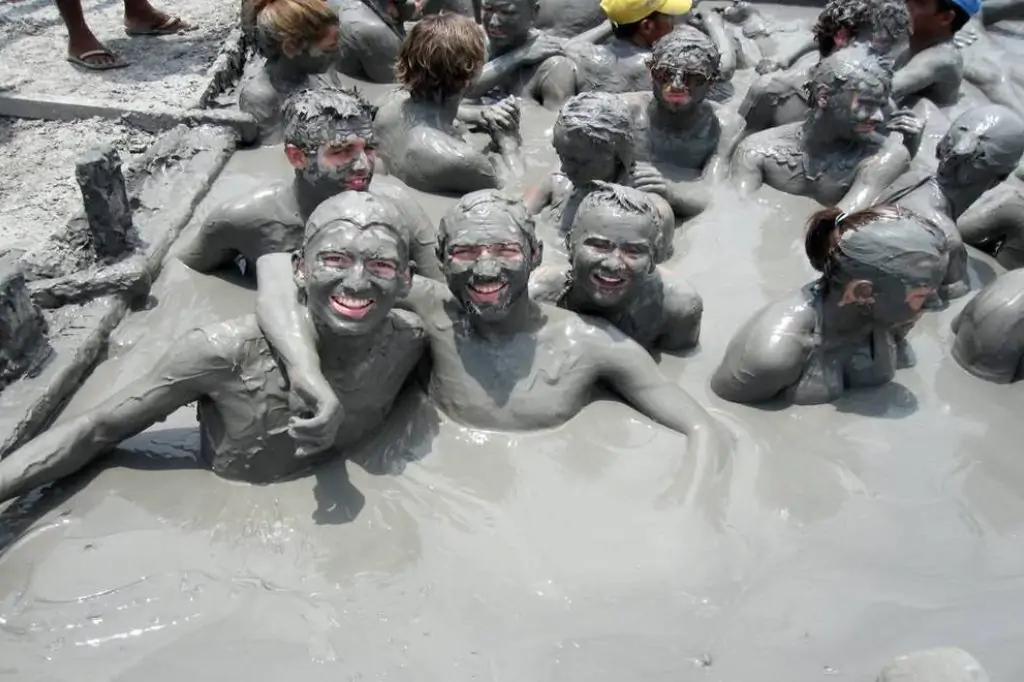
{"x":897,"y":301}
{"x":487,"y":265}
{"x":583,"y":158}
{"x":353,"y":276}
{"x":982,"y":147}
{"x":612,"y":254}
{"x":508,"y":22}
{"x":857,"y":113}
{"x":404,"y":10}
{"x":679,"y":90}
{"x":345,"y":163}
{"x":319,"y":57}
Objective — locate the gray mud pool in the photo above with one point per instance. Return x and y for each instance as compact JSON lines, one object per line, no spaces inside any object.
{"x":838,"y":537}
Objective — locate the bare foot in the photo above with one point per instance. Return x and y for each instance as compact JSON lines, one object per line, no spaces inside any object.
{"x":143,"y":18}
{"x":87,"y":48}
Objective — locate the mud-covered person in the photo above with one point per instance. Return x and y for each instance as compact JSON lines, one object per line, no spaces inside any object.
{"x":515,"y":49}
{"x":779,"y":97}
{"x":989,"y":331}
{"x":840,"y":153}
{"x":982,"y":147}
{"x":675,"y":123}
{"x":421,"y":139}
{"x":593,"y":137}
{"x":618,"y":65}
{"x":330,"y":145}
{"x":371,"y":36}
{"x":878,"y":269}
{"x":299,"y":42}
{"x":613,"y":272}
{"x":352,"y":268}
{"x":504,"y":361}
{"x":931,"y":66}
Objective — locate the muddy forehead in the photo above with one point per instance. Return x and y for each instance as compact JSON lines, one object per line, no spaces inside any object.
{"x":349,"y":129}
{"x":375,"y":239}
{"x":616,"y":224}
{"x":495,"y":228}
{"x":688,"y":50}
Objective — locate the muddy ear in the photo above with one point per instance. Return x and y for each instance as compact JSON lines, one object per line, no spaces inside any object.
{"x":296,"y":157}
{"x":538,"y":255}
{"x":858,"y":292}
{"x":298,"y":270}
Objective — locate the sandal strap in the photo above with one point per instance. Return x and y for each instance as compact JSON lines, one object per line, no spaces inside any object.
{"x":96,"y":53}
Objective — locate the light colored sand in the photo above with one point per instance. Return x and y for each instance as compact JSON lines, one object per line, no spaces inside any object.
{"x":38,"y":191}
{"x":165,"y":70}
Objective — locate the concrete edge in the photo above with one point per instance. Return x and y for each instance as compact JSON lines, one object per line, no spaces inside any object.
{"x":154,"y":119}
{"x":81,"y":332}
{"x":226,"y":68}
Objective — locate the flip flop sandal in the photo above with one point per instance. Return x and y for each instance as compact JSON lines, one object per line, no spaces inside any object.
{"x":172,"y":26}
{"x":80,"y":60}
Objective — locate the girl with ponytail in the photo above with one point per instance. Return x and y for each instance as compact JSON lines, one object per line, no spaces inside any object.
{"x":878,"y":268}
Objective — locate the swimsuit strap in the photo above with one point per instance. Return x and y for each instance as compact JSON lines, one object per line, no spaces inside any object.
{"x":901,"y":193}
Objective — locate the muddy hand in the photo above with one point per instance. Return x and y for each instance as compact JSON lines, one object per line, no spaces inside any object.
{"x":319,"y":431}
{"x":542,"y":48}
{"x":649,"y":179}
{"x":767,"y":66}
{"x":502,"y":116}
{"x":906,"y":121}
{"x":707,"y":452}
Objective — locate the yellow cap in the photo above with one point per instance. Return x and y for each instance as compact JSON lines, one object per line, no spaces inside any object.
{"x":632,"y":11}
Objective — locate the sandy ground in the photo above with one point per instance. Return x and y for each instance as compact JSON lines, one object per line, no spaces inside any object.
{"x":167,"y":70}
{"x":38,"y":191}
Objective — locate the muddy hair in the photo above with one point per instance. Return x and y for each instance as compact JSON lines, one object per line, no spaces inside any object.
{"x":373,"y":210}
{"x":687,"y":48}
{"x":487,"y":203}
{"x":310,"y":116}
{"x":627,"y":199}
{"x":281,"y":27}
{"x":885,"y":18}
{"x":849,"y":69}
{"x":441,"y":56}
{"x":601,"y":117}
{"x":826,"y":227}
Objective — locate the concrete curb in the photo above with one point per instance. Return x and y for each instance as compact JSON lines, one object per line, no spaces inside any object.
{"x":151,"y":119}
{"x":226,"y":69}
{"x":167,"y":183}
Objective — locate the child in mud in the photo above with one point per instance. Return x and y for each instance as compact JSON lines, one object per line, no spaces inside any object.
{"x":299,"y":40}
{"x":371,"y":36}
{"x":440,"y":59}
{"x":675,"y":123}
{"x":839,"y":154}
{"x":779,"y":97}
{"x":329,"y":142}
{"x":353,"y":266}
{"x":594,"y":140}
{"x":502,"y":360}
{"x":990,"y":331}
{"x":612,"y":274}
{"x":981,"y":149}
{"x":878,"y":268}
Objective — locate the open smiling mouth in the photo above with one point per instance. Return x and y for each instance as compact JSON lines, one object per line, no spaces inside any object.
{"x":608,"y":281}
{"x":486,"y":292}
{"x":358,"y":181}
{"x":865,"y":127}
{"x":350,"y":306}
{"x":677,"y":96}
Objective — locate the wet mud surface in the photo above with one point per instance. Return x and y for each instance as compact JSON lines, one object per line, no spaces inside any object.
{"x":840,"y":535}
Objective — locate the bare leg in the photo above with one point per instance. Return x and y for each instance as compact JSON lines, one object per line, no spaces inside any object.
{"x":80,"y":37}
{"x":141,"y":16}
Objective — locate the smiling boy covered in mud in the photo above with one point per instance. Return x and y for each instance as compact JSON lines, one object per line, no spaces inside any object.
{"x":613,"y":272}
{"x":353,"y":266}
{"x":502,"y":360}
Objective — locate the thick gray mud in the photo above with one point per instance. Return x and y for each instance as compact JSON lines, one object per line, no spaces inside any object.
{"x":840,"y":536}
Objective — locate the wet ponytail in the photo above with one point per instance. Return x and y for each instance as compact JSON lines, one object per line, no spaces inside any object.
{"x":826,"y":226}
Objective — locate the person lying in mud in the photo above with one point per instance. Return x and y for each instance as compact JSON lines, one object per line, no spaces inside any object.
{"x":353,"y":266}
{"x":612,"y":248}
{"x":779,"y":96}
{"x":515,"y":49}
{"x":440,"y":59}
{"x":995,"y":224}
{"x":989,"y":67}
{"x":878,"y":268}
{"x":330,"y":144}
{"x":839,"y":154}
{"x":501,"y":360}
{"x":675,"y":123}
{"x":594,"y":140}
{"x":618,"y":66}
{"x":990,"y":331}
{"x":299,"y":41}
{"x":981,"y":149}
{"x":759,"y":38}
{"x":371,"y":36}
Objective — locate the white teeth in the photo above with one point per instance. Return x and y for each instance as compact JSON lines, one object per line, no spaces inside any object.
{"x":607,"y":279}
{"x":350,"y":302}
{"x":488,"y":288}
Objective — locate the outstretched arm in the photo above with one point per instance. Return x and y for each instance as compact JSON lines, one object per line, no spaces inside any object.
{"x":875,"y":175}
{"x":180,"y":377}
{"x":210,"y":249}
{"x":286,"y":324}
{"x":632,"y":372}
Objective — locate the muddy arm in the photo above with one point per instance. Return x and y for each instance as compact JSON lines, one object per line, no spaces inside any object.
{"x":286,"y":324}
{"x":732,"y":126}
{"x":632,"y":372}
{"x":440,"y":162}
{"x":536,"y":198}
{"x":996,"y":213}
{"x":376,"y":54}
{"x":786,"y":58}
{"x":499,"y":69}
{"x":715,"y":27}
{"x":598,"y":34}
{"x":684,"y":314}
{"x":922,"y":71}
{"x":745,"y":169}
{"x":180,"y":377}
{"x":130,"y":277}
{"x":763,"y":359}
{"x":210,"y":249}
{"x":874,"y":176}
